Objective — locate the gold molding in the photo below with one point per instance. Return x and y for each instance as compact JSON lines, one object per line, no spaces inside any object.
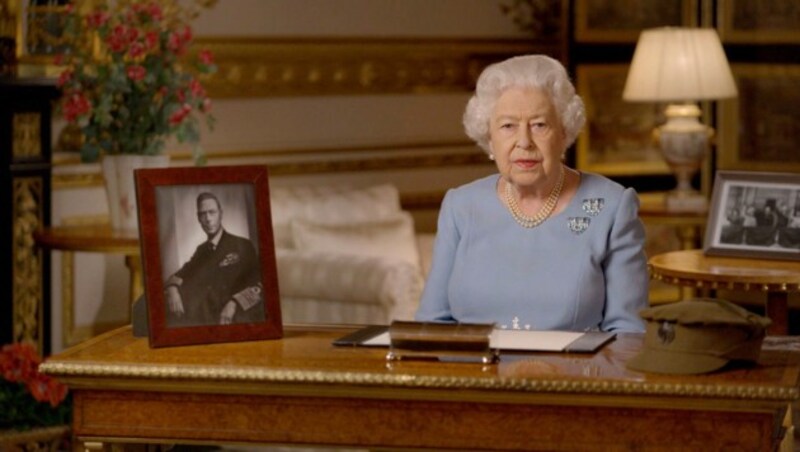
{"x":263,"y":67}
{"x":371,"y":163}
{"x":27,"y":286}
{"x":699,"y":282}
{"x":240,"y":375}
{"x":26,"y":130}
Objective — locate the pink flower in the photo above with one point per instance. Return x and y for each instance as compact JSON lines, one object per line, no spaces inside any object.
{"x":179,"y":115}
{"x":151,"y":40}
{"x":187,"y":34}
{"x":206,"y":57}
{"x":155,"y":11}
{"x":136,"y":72}
{"x":118,"y":39}
{"x":205,"y":107}
{"x":196,"y":88}
{"x":64,"y":78}
{"x":136,"y":50}
{"x":175,"y":43}
{"x":133,"y":34}
{"x":75,"y":106}
{"x":44,"y":388}
{"x":97,"y":19}
{"x":19,"y":362}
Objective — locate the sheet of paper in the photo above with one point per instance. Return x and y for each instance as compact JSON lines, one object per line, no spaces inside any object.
{"x":381,"y":340}
{"x":547,"y":341}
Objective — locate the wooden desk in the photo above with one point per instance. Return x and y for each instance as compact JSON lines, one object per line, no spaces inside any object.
{"x":301,"y":390}
{"x":96,"y":239}
{"x":775,"y":277}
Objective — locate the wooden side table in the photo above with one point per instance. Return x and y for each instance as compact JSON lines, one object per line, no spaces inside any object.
{"x":96,"y":239}
{"x":694,"y":269}
{"x":93,"y":239}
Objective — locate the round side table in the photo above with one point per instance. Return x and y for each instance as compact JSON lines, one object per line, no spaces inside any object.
{"x":97,"y":239}
{"x":774,"y":277}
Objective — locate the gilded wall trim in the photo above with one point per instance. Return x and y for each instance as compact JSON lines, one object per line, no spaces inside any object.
{"x":263,"y":67}
{"x":27,"y":290}
{"x":319,"y":166}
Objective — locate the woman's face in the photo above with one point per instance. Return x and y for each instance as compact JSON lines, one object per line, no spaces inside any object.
{"x":526,"y":136}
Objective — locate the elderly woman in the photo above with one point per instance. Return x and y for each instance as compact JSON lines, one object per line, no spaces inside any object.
{"x":538,"y":246}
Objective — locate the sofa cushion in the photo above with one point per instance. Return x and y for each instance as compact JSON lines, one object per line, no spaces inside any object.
{"x":393,"y":284}
{"x":391,"y":236}
{"x":331,"y":204}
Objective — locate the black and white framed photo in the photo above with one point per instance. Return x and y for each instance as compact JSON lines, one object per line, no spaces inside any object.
{"x":754,"y":214}
{"x":208,"y":255}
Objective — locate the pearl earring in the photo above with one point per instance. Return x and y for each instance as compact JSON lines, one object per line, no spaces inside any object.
{"x":491,"y":157}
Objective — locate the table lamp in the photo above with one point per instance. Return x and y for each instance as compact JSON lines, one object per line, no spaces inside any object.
{"x":681,"y":66}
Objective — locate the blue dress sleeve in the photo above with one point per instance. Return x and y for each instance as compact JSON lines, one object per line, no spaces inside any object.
{"x":625,"y":269}
{"x":435,"y":304}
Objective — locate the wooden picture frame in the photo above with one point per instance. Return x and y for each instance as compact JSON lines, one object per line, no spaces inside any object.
{"x":754,"y":214}
{"x":758,"y":21}
{"x":617,"y":139}
{"x":198,"y":292}
{"x":758,"y":130}
{"x":612,"y":21}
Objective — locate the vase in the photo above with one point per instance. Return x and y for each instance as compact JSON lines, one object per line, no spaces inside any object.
{"x":121,"y":189}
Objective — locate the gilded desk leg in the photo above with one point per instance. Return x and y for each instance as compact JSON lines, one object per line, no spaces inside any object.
{"x":134,"y":264}
{"x":777,"y":310}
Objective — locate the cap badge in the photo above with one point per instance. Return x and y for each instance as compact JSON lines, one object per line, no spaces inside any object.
{"x":666,"y":332}
{"x":578,"y":224}
{"x":593,"y":206}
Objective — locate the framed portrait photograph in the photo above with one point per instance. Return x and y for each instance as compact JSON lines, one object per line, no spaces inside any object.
{"x":208,"y":255}
{"x":759,"y":21}
{"x":613,"y":21}
{"x":759,"y":129}
{"x":754,"y":214}
{"x":618,"y":137}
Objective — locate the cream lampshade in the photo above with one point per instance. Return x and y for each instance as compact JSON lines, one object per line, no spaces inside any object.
{"x":681,"y":66}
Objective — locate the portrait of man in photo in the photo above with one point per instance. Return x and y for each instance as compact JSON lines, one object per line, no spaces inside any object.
{"x":220,"y":282}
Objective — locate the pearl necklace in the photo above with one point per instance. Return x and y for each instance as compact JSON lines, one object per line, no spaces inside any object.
{"x":543,"y":213}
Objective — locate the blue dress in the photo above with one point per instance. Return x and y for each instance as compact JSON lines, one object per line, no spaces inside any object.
{"x":581,"y":269}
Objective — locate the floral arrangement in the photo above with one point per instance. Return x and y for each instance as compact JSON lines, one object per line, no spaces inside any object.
{"x":29,"y":399}
{"x":129,"y":83}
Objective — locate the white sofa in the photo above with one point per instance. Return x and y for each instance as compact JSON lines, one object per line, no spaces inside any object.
{"x":347,"y":254}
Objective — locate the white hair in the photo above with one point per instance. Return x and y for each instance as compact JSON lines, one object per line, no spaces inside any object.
{"x":528,"y":71}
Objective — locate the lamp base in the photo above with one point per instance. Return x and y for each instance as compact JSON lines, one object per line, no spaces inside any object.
{"x":681,"y":201}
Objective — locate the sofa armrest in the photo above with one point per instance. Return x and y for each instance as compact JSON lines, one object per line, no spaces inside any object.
{"x":393,"y":283}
